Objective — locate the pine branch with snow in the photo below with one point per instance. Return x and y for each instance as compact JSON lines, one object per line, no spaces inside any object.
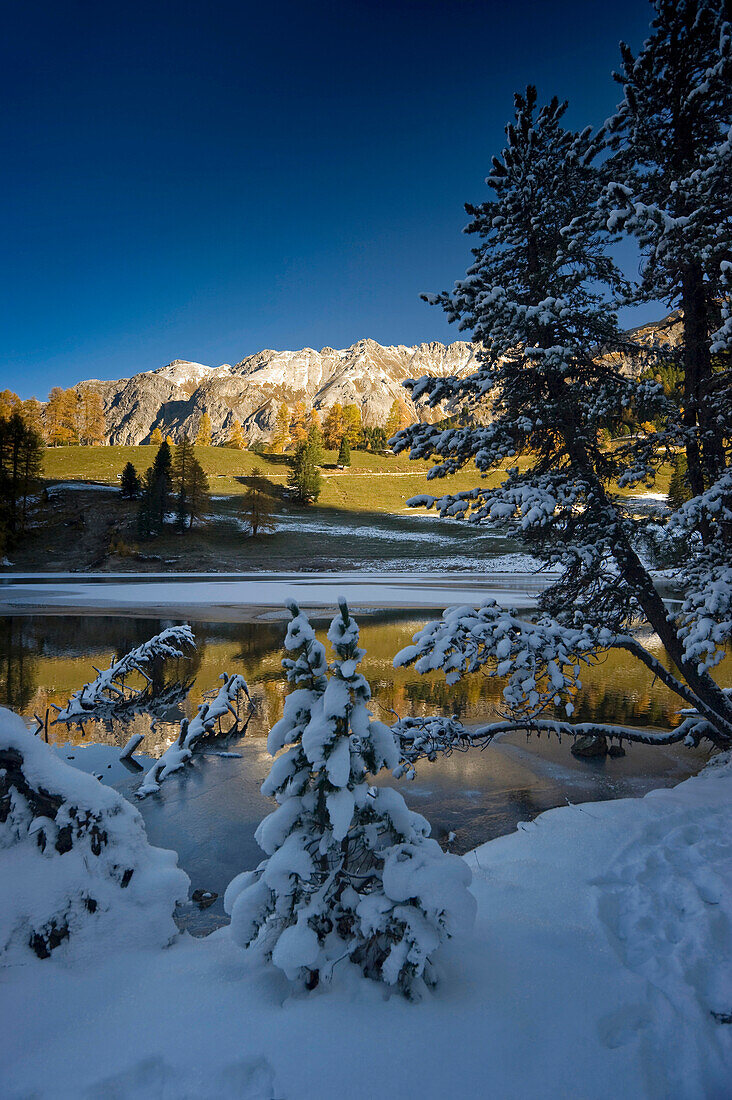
{"x":350,"y":872}
{"x":548,"y":385}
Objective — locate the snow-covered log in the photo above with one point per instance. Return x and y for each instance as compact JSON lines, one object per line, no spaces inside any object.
{"x":131,"y":745}
{"x":75,"y":863}
{"x":207,"y":721}
{"x":110,"y":689}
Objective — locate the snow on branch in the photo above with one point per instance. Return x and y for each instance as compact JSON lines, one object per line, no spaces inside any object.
{"x":207,"y":722}
{"x":110,"y":689}
{"x":542,"y":660}
{"x":429,"y":737}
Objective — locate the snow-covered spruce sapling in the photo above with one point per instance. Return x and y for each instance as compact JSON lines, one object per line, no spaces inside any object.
{"x":351,"y":873}
{"x":549,"y":382}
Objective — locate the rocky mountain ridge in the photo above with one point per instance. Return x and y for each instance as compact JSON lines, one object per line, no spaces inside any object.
{"x":175,"y":397}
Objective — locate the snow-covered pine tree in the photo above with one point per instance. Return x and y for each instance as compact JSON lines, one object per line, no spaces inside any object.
{"x":350,"y":872}
{"x":669,"y":185}
{"x":534,"y":300}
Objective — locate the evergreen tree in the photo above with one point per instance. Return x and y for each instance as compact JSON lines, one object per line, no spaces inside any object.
{"x":678,"y":490}
{"x":258,"y":505}
{"x":344,"y":454}
{"x":156,"y":437}
{"x":375,"y":438}
{"x":534,"y":301}
{"x":350,"y":872}
{"x":203,"y":439}
{"x":304,"y":478}
{"x":150,"y":509}
{"x":130,"y":485}
{"x":21,"y":458}
{"x":162,"y":474}
{"x":670,"y":186}
{"x":315,"y":442}
{"x":197,"y":493}
{"x":190,"y":484}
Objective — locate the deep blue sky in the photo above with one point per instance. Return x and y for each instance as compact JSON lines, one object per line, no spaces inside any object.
{"x":203,"y":180}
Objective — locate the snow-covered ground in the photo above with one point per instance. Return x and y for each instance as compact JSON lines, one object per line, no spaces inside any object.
{"x":599,"y":966}
{"x":115,"y":592}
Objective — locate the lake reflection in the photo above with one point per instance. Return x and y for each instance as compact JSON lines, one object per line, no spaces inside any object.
{"x":209,"y":811}
{"x":44,"y":659}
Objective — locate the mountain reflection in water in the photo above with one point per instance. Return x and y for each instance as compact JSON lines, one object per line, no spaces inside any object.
{"x":209,"y":811}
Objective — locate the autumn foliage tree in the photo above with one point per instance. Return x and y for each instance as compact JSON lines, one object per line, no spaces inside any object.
{"x":203,"y":439}
{"x":334,"y":426}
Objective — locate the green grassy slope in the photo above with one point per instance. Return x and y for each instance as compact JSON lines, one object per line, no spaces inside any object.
{"x":373,"y":483}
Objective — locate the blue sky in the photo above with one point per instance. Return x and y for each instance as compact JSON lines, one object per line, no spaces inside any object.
{"x":203,"y":180}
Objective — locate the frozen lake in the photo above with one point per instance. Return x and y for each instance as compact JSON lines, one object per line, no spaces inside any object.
{"x":209,"y":811}
{"x":241,"y":595}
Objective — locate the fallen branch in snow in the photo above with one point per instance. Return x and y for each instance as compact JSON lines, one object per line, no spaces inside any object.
{"x":110,"y":694}
{"x":425,"y":738}
{"x":207,"y":718}
{"x":133,"y":743}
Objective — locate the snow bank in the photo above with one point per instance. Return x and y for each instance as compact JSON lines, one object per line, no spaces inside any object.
{"x":75,"y":863}
{"x":599,"y":957}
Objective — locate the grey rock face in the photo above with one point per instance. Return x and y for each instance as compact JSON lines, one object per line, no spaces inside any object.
{"x":175,"y":397}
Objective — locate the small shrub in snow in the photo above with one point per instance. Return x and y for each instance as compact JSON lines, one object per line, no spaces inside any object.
{"x":350,"y":871}
{"x":75,"y":862}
